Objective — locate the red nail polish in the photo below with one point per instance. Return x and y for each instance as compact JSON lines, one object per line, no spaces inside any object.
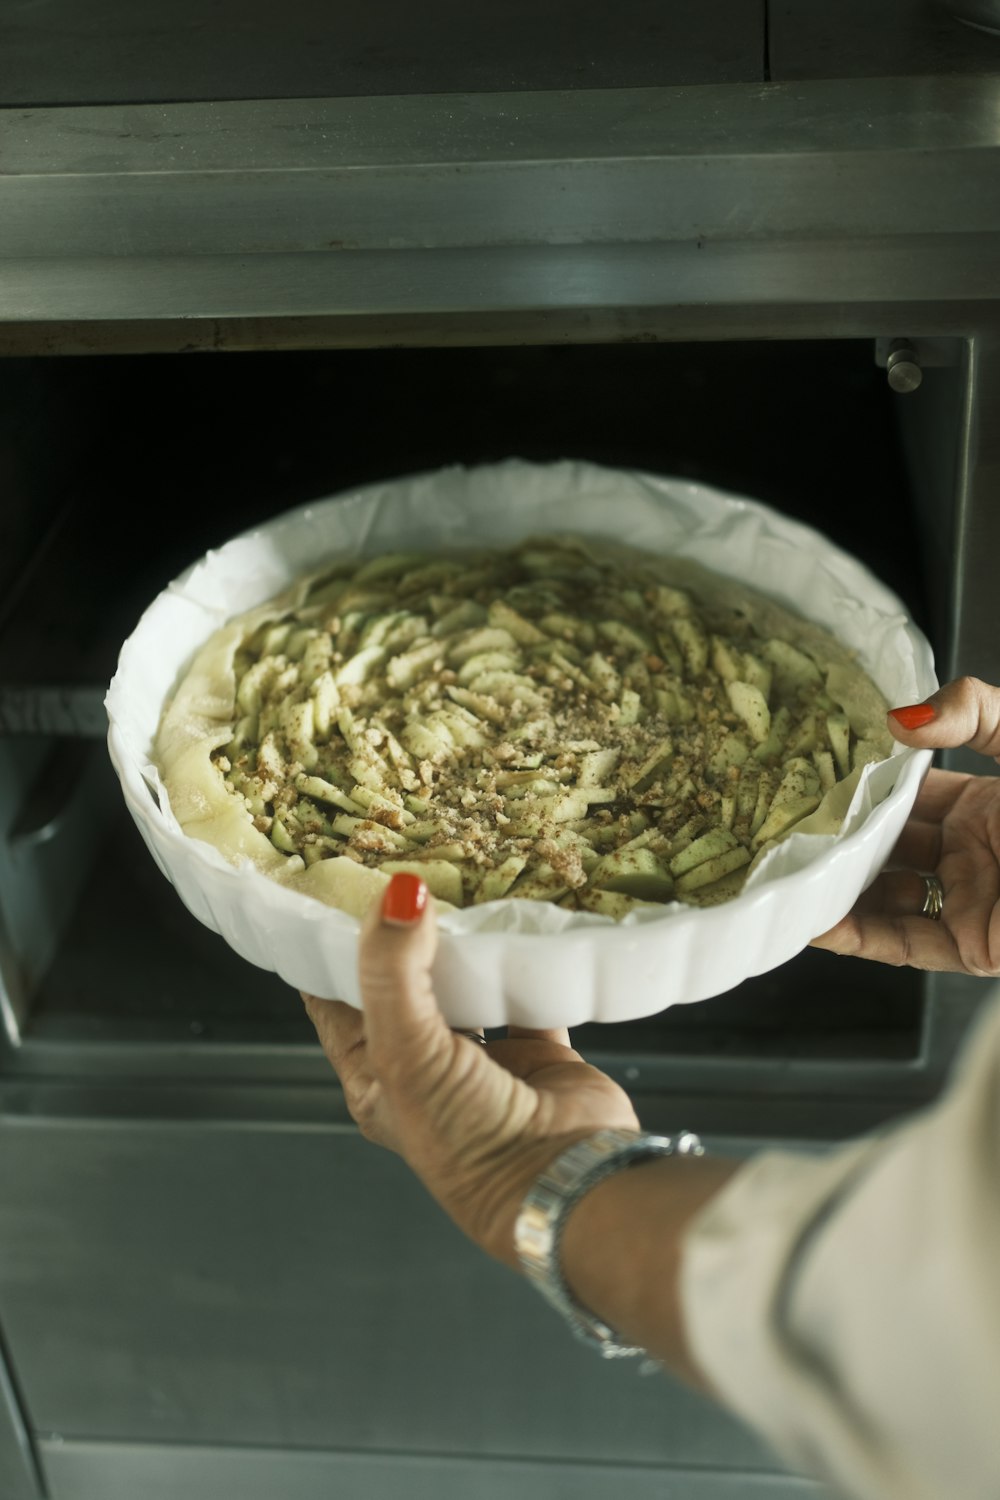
{"x":404,"y":900}
{"x":914,"y":717}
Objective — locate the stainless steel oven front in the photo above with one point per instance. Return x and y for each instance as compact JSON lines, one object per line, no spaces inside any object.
{"x":208,"y":1283}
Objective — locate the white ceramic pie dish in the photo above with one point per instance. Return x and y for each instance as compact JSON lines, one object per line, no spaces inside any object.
{"x":529,"y":962}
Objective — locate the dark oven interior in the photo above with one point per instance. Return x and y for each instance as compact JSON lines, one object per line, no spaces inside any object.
{"x":124,"y":469}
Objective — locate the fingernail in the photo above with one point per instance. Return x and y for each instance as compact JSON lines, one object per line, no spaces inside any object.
{"x":404,"y":900}
{"x":914,"y":717}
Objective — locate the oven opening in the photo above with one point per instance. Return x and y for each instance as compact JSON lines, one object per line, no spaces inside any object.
{"x":125,"y":469}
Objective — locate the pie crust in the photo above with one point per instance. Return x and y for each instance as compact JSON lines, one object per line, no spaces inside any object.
{"x":565,"y":720}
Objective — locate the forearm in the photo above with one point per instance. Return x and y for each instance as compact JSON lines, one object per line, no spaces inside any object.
{"x":621,"y":1250}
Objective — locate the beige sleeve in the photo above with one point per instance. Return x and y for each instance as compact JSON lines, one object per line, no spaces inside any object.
{"x":848,"y":1307}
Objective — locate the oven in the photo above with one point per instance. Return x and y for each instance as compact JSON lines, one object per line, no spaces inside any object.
{"x":243,"y":265}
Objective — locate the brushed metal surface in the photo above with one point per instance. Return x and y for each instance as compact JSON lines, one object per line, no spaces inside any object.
{"x":296,"y":1289}
{"x":104,"y":1471}
{"x":518,"y":326}
{"x":126,"y":51}
{"x":300,"y":176}
{"x":856,"y":39}
{"x":872,"y":194}
{"x":41,"y":876}
{"x":984,"y":15}
{"x":975,"y":638}
{"x":71,"y":710}
{"x":20,"y":1469}
{"x":134,"y":50}
{"x":877,"y":282}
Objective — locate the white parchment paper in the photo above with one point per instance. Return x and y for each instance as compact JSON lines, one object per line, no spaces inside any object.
{"x":500,"y":504}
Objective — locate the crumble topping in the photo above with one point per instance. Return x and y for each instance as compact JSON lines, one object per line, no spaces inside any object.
{"x":543,"y":721}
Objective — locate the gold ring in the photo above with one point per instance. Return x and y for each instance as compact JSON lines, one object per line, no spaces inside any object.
{"x":934,"y":900}
{"x":474,"y":1036}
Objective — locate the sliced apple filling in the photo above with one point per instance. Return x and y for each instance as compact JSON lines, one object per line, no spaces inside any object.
{"x":545,"y":722}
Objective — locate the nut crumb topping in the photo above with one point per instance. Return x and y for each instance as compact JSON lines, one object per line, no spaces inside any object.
{"x":537,"y":722}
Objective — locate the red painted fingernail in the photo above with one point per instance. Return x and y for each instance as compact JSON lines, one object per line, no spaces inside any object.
{"x":404,"y":900}
{"x":914,"y":717}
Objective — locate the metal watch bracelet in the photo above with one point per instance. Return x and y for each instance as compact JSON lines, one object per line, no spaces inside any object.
{"x":542,"y":1218}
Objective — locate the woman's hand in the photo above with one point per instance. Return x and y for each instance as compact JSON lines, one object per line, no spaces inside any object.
{"x":953,"y":833}
{"x":477,"y":1124}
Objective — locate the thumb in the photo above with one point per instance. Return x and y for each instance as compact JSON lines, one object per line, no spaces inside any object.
{"x":963,"y":712}
{"x":404,"y":1028}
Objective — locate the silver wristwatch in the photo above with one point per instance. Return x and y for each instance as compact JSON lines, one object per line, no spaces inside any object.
{"x":540,"y":1223}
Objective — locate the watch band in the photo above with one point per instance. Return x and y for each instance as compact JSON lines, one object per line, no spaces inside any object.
{"x":540,"y":1223}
